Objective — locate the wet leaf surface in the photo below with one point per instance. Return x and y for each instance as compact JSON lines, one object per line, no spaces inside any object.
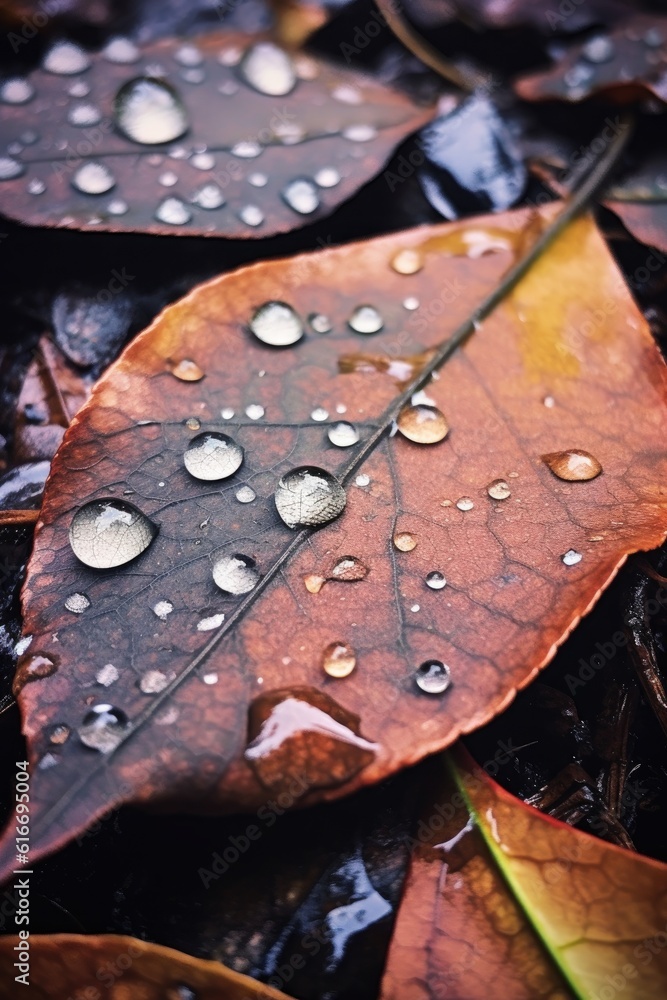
{"x":224,"y":155}
{"x":190,"y":659}
{"x":503,"y":901}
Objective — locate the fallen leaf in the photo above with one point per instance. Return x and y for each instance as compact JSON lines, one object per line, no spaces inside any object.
{"x":208,"y":696}
{"x":640,"y":201}
{"x":502,"y":900}
{"x":624,"y":65}
{"x":225,"y":157}
{"x":63,"y":966}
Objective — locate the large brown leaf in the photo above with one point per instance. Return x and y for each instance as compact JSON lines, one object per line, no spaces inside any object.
{"x":66,"y":966}
{"x":566,"y":362}
{"x":503,"y":901}
{"x":333,"y":119}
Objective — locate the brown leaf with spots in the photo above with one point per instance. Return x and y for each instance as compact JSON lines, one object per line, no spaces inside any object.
{"x":503,"y":901}
{"x":230,"y":151}
{"x":67,"y":966}
{"x":624,"y":65}
{"x":566,"y":362}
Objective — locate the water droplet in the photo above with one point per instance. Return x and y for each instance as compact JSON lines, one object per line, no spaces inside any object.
{"x":254,"y":411}
{"x":22,"y":645}
{"x":309,"y":497}
{"x":654,"y":38}
{"x":188,"y":55}
{"x":36,"y":186}
{"x":248,"y":149}
{"x":29,"y":137}
{"x":103,"y":728}
{"x":359,"y":133}
{"x":343,"y":434}
{"x":235,"y":574}
{"x":411,"y":303}
{"x":77,"y":603}
{"x":269,"y":70}
{"x":32,"y":668}
{"x":348,"y":569}
{"x":79,"y":88}
{"x":465,"y":503}
{"x":65,"y":59}
{"x":574,"y":465}
{"x":571,"y":557}
{"x":363,"y":480}
{"x":549,"y":402}
{"x":162,"y":609}
{"x":423,"y":424}
{"x":168,"y":179}
{"x":599,"y":49}
{"x":245,"y":494}
{"x":109,"y":533}
{"x":121,"y":50}
{"x":498,"y":490}
{"x":209,"y":196}
{"x":327,"y":177}
{"x":193,"y":423}
{"x":277,"y":324}
{"x":210,"y":678}
{"x":153,"y":681}
{"x":320,"y":323}
{"x":93,"y":178}
{"x":407,"y":262}
{"x":84,"y":115}
{"x":314,"y":583}
{"x":149,"y":111}
{"x":208,"y":624}
{"x":319,"y":414}
{"x":227,"y":413}
{"x":339,"y":660}
{"x":301,"y":196}
{"x":186,"y":370}
{"x":107,"y":675}
{"x":173,"y":212}
{"x":435,"y":580}
{"x":203,"y":161}
{"x":415,"y":608}
{"x":230,"y":56}
{"x":10,"y":168}
{"x":251,"y":215}
{"x":258,"y":180}
{"x":16,"y":90}
{"x":59,"y":734}
{"x":433,"y":677}
{"x":117,"y":207}
{"x":404,"y":541}
{"x":212,"y":456}
{"x":365,"y":319}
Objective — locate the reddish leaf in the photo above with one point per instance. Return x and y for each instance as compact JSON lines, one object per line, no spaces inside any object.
{"x":566,"y":363}
{"x":333,"y":120}
{"x":624,"y":65}
{"x":503,"y":901}
{"x":67,"y":966}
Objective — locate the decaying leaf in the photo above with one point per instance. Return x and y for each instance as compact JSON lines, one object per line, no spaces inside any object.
{"x":624,"y":64}
{"x":229,"y":136}
{"x":504,"y":901}
{"x":197,"y":673}
{"x":64,"y":966}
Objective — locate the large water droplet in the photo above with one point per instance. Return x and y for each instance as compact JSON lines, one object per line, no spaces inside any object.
{"x":10,"y":168}
{"x":572,"y":557}
{"x":573,"y":465}
{"x":465,"y":503}
{"x":149,"y":111}
{"x":423,"y":424}
{"x":235,"y":574}
{"x":309,"y":497}
{"x":16,"y":90}
{"x":338,"y":660}
{"x":319,"y":414}
{"x":498,"y":490}
{"x":84,"y":115}
{"x":33,"y":667}
{"x":65,"y":59}
{"x":93,"y":178}
{"x":77,"y":603}
{"x":433,"y":677}
{"x":405,"y":541}
{"x":103,"y":728}
{"x":343,"y":434}
{"x":121,"y":50}
{"x":186,"y":370}
{"x":268,"y":69}
{"x":365,"y":319}
{"x":173,"y":212}
{"x":435,"y":580}
{"x":301,"y":196}
{"x":209,"y":196}
{"x":277,"y":324}
{"x":407,"y":262}
{"x":109,"y":533}
{"x":212,"y":456}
